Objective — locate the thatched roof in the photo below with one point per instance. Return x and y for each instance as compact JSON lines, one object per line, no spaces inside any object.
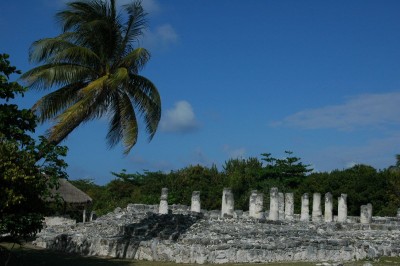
{"x":71,"y":194}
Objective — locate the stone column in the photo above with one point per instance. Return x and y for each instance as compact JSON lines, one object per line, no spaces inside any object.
{"x":163,"y":209}
{"x":365,"y":214}
{"x":316,"y":207}
{"x":256,"y":204}
{"x":228,"y":203}
{"x":84,"y":215}
{"x":252,"y":203}
{"x":369,"y":207}
{"x":342,"y":208}
{"x":196,"y":205}
{"x":289,"y":206}
{"x":92,"y":216}
{"x":259,"y":206}
{"x":305,"y":209}
{"x":273,"y":204}
{"x":281,"y":206}
{"x":328,"y":208}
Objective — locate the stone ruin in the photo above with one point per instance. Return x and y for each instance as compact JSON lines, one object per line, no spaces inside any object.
{"x":187,"y":234}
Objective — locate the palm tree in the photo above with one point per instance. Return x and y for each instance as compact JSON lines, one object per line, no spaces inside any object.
{"x":94,"y":65}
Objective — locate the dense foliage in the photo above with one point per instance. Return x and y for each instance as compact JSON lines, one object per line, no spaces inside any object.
{"x":363,"y":184}
{"x":28,"y":168}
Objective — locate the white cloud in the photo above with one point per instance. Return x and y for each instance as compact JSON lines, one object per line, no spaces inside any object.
{"x":180,"y":119}
{"x":161,"y":37}
{"x":151,"y":6}
{"x":166,"y":33}
{"x":368,"y":110}
{"x":378,"y":152}
{"x":234,"y":153}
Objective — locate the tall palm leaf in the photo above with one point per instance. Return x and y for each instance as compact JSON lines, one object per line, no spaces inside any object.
{"x":94,"y":67}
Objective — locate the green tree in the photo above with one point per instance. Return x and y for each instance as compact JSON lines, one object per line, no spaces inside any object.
{"x":24,"y":181}
{"x":183,"y":182}
{"x":242,"y":175}
{"x":95,"y":67}
{"x":362,"y":183}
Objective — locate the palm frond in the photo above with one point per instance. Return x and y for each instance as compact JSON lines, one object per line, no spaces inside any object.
{"x":135,"y":24}
{"x":95,"y":23}
{"x":60,"y":74}
{"x":53,"y":103}
{"x":94,"y":87}
{"x":80,"y":12}
{"x":120,"y":77}
{"x":129,"y":123}
{"x":44,"y":48}
{"x":123,"y":125}
{"x":77,"y":55}
{"x":147,"y":100}
{"x":114,"y":135}
{"x":135,"y":60}
{"x":88,"y":107}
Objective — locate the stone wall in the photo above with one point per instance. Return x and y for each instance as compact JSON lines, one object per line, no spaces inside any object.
{"x":181,"y":235}
{"x":58,"y":220}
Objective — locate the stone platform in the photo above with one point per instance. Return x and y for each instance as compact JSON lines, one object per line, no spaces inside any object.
{"x":182,"y":236}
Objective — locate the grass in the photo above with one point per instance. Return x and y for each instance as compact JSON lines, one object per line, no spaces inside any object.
{"x":32,"y":256}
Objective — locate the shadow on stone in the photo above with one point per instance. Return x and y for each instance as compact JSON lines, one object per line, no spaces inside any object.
{"x":154,"y":227}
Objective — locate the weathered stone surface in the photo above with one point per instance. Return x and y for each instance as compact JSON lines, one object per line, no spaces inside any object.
{"x":163,"y":201}
{"x":366,"y":214}
{"x":274,"y":204}
{"x":342,"y":208}
{"x":305,"y":209}
{"x":252,"y":203}
{"x":256,"y":205}
{"x":316,"y":208}
{"x":281,"y":206}
{"x":328,"y":216}
{"x":58,"y":220}
{"x":289,"y":206}
{"x":228,"y":203}
{"x":182,"y":236}
{"x":196,"y":204}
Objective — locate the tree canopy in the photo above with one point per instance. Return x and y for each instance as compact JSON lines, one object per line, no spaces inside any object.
{"x":362,"y":183}
{"x":24,"y":181}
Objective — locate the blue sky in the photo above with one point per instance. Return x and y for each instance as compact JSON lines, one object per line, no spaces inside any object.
{"x":241,"y":78}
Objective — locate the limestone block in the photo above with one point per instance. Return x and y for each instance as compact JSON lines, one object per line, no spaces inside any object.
{"x":305,"y":208}
{"x":289,"y":206}
{"x":342,"y":208}
{"x":196,"y":204}
{"x":256,"y":205}
{"x":328,"y":216}
{"x":58,"y":220}
{"x":252,"y":203}
{"x":274,"y":205}
{"x":366,"y":214}
{"x":228,"y":203}
{"x":316,"y":208}
{"x":369,"y":205}
{"x":281,"y":206}
{"x":259,"y":206}
{"x":163,"y":209}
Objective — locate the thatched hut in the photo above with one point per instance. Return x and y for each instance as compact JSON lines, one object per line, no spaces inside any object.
{"x":72,"y":196}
